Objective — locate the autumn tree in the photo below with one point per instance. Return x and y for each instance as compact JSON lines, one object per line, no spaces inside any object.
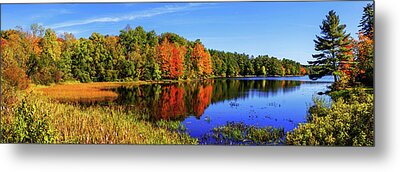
{"x":44,"y":68}
{"x":201,"y":60}
{"x":12,"y":73}
{"x":132,"y":55}
{"x":331,"y":45}
{"x":16,"y":42}
{"x":303,"y":71}
{"x":170,"y":59}
{"x":365,"y":47}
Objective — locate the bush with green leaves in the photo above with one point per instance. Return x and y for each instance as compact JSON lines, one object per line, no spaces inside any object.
{"x":32,"y":125}
{"x":348,"y":122}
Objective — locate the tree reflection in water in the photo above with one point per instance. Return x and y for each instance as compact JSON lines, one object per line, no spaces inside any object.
{"x":177,"y":101}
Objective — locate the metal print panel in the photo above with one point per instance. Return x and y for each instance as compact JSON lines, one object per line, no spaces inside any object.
{"x":221,"y":73}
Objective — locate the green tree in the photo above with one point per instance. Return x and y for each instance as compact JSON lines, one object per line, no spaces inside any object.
{"x":332,"y":45}
{"x":367,"y":21}
{"x":249,"y":68}
{"x":81,"y":60}
{"x":65,"y":63}
{"x":263,"y":71}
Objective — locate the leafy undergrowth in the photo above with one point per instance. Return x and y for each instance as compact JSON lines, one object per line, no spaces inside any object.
{"x":37,"y":119}
{"x":238,"y":133}
{"x":349,"y":121}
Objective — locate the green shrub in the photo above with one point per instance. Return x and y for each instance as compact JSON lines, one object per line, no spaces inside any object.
{"x":349,"y":122}
{"x":31,"y":125}
{"x":320,"y":107}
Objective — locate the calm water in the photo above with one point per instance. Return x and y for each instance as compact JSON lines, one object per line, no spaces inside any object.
{"x":203,"y":105}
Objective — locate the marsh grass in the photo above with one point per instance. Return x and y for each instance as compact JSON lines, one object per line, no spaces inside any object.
{"x":89,"y":92}
{"x":238,"y":133}
{"x":81,"y":91}
{"x":85,"y":125}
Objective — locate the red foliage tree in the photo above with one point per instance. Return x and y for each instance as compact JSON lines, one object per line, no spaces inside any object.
{"x":170,"y":58}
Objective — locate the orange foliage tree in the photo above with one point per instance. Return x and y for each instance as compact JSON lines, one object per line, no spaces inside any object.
{"x":202,"y":60}
{"x":303,"y":71}
{"x":12,"y":69}
{"x":170,"y":58}
{"x":365,"y":59}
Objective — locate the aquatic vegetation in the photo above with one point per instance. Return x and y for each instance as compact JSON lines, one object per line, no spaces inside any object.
{"x":238,"y":133}
{"x":207,"y":119}
{"x":174,"y":126}
{"x":234,"y":104}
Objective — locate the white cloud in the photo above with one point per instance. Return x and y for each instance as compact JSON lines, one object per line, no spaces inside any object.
{"x":148,"y":13}
{"x":51,"y":13}
{"x":60,"y":32}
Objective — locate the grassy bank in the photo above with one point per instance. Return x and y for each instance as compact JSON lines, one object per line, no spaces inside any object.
{"x":37,"y":119}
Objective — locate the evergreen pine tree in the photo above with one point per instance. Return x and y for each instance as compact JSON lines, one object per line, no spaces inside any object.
{"x":332,"y":47}
{"x":367,"y":21}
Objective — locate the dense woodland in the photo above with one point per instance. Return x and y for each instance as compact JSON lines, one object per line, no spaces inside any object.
{"x":43,"y":57}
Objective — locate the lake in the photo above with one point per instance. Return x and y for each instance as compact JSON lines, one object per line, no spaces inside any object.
{"x":280,"y":102}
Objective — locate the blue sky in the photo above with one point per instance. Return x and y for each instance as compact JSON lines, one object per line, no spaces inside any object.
{"x":281,"y":29}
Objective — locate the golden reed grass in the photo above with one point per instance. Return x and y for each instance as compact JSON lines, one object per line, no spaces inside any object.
{"x":96,"y":91}
{"x":98,"y":124}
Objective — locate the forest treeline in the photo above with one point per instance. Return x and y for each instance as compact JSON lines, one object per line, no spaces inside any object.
{"x":42,"y":56}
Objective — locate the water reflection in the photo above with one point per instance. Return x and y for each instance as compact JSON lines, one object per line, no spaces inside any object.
{"x":279,"y":102}
{"x":179,"y":100}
